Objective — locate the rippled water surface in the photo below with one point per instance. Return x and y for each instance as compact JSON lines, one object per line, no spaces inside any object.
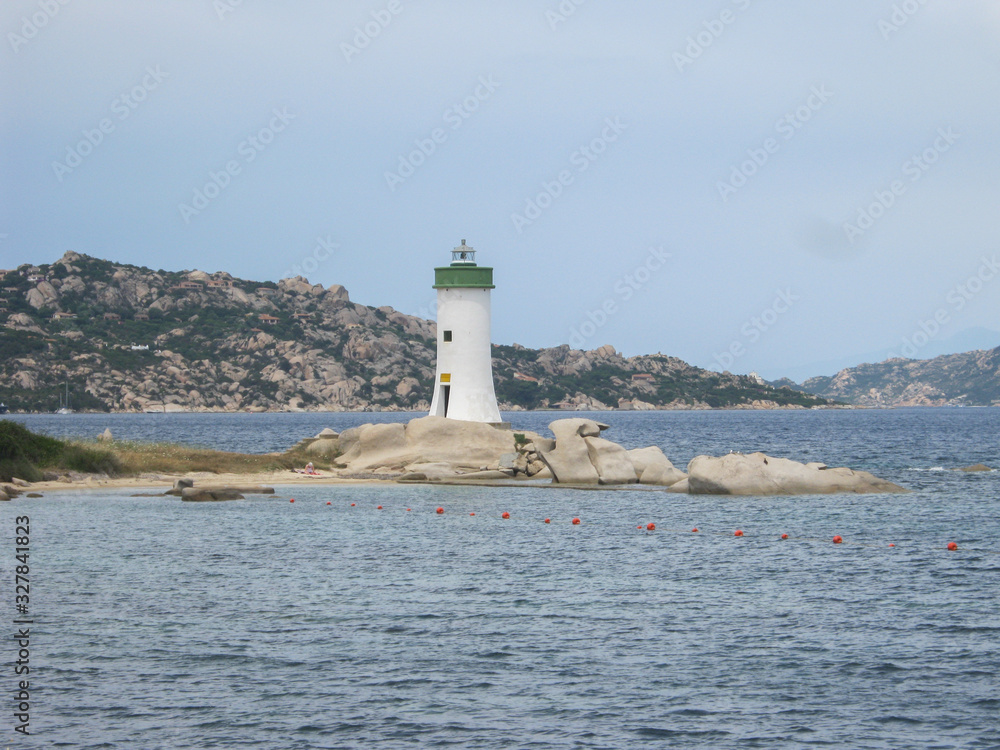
{"x":268,"y":624}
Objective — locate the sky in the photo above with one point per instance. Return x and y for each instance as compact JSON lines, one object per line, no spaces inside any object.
{"x":781,"y":187}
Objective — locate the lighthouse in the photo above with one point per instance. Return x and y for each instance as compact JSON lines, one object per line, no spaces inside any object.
{"x":463,"y":383}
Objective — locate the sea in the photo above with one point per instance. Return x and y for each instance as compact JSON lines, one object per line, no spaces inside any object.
{"x":360,"y":617}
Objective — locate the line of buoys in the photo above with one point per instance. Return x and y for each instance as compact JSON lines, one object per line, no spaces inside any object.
{"x":838,"y":539}
{"x":505,"y":515}
{"x":650,"y":527}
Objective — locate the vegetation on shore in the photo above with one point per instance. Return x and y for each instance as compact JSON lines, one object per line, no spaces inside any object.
{"x":25,"y":455}
{"x":34,"y":457}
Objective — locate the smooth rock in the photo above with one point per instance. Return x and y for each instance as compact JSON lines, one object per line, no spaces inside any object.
{"x":566,"y":428}
{"x":611,"y":461}
{"x":975,"y":467}
{"x":325,"y":447}
{"x":681,"y":486}
{"x":507,"y":460}
{"x":535,"y":467}
{"x":105,"y":437}
{"x":460,"y":444}
{"x":199,"y":495}
{"x":759,"y":474}
{"x":4,"y":497}
{"x":244,"y":489}
{"x":19,"y":482}
{"x":663,"y":476}
{"x":179,"y":486}
{"x":653,"y":467}
{"x":570,"y":461}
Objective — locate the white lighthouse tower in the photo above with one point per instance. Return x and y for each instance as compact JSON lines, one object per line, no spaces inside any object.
{"x":463,"y":384}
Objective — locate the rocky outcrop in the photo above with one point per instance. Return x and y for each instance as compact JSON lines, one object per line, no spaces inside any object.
{"x":198,"y":495}
{"x":759,"y":474}
{"x":291,"y":346}
{"x":580,"y":456}
{"x":426,"y":440}
{"x":974,"y":468}
{"x":611,"y":461}
{"x":966,"y":379}
{"x":653,"y":467}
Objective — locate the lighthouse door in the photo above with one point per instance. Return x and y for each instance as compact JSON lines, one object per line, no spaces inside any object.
{"x":446,"y":397}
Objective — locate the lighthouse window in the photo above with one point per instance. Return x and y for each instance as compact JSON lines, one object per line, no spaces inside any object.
{"x":447,"y":335}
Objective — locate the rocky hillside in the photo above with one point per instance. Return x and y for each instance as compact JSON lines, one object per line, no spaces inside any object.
{"x":967,"y":379}
{"x":126,"y":338}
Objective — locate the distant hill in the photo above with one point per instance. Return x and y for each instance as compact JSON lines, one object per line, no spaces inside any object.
{"x":128,"y":338}
{"x":966,"y":340}
{"x":968,"y":379}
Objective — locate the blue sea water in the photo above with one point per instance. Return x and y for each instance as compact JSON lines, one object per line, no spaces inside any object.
{"x":269,"y":624}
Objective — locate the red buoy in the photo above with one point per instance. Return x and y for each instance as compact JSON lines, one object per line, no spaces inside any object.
{"x":292,"y":500}
{"x":739,"y":532}
{"x":408,"y":510}
{"x":379,"y":508}
{"x":328,"y":502}
{"x":548,"y":520}
{"x":694,"y":530}
{"x":472,"y":514}
{"x":576,"y":521}
{"x":650,"y":527}
{"x":439,"y":511}
{"x":784,"y":536}
{"x":505,"y":514}
{"x":892,"y":545}
{"x":838,"y":539}
{"x":952,"y":546}
{"x":353,"y":504}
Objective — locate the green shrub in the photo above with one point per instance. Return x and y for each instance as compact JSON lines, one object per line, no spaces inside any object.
{"x":23,"y":454}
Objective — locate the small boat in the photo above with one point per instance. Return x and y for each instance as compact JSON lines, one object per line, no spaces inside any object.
{"x":3,"y":408}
